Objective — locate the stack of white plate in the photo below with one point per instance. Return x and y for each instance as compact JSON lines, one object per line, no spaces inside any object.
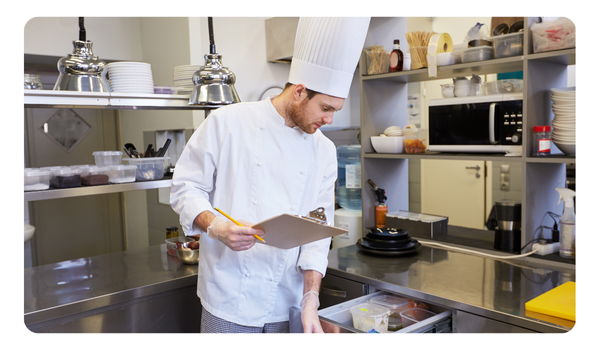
{"x":182,"y":78}
{"x":563,"y":124}
{"x":134,"y":77}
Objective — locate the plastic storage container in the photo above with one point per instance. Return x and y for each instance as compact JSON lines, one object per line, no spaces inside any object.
{"x":541,"y":140}
{"x":415,"y":140}
{"x":172,"y":243}
{"x":36,"y":179}
{"x":93,"y":175}
{"x":104,"y":158}
{"x":396,"y":305}
{"x":349,"y":182}
{"x":507,"y":45}
{"x":369,"y":316}
{"x":148,"y":168}
{"x":412,"y":316}
{"x":378,"y":62}
{"x":65,"y":178}
{"x":479,"y":53}
{"x":118,"y":174}
{"x":504,"y":86}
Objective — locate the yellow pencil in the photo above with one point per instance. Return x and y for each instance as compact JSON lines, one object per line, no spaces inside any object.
{"x":232,"y":219}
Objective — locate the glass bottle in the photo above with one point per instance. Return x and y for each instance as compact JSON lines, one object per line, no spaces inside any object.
{"x":396,"y":57}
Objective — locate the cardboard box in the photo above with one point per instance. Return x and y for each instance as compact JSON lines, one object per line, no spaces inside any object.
{"x":417,"y":224}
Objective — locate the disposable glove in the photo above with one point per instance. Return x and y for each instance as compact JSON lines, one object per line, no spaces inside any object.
{"x":237,"y":238}
{"x":310,"y":316}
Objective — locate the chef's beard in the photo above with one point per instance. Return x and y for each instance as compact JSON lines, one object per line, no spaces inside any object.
{"x":298,"y":114}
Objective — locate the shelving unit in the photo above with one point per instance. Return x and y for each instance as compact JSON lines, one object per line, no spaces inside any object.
{"x":103,"y":100}
{"x":383,"y":98}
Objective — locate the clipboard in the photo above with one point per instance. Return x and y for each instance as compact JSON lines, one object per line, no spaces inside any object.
{"x":287,"y":231}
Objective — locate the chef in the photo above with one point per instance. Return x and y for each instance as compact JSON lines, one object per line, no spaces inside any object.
{"x":257,"y":160}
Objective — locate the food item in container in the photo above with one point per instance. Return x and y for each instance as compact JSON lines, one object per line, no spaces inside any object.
{"x":414,"y":146}
{"x":378,"y":60}
{"x":193,"y":245}
{"x":417,"y":43}
{"x":370,"y":316}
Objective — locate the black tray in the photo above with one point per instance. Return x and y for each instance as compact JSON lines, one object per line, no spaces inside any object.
{"x":387,"y":252}
{"x":385,"y":243}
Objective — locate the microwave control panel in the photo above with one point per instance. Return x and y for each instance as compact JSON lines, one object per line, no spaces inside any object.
{"x":512,"y":126}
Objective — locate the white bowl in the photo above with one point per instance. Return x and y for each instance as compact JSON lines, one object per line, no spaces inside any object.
{"x":29,"y":230}
{"x":384,"y":144}
{"x":567,"y":148}
{"x":563,"y":91}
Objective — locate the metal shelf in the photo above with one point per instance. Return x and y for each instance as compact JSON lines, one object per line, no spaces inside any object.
{"x":108,"y":100}
{"x":500,"y":65}
{"x":93,"y":190}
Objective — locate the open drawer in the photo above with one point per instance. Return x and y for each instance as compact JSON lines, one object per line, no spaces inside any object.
{"x":338,"y":319}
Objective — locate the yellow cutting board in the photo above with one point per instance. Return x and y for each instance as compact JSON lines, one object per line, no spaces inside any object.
{"x":558,"y":302}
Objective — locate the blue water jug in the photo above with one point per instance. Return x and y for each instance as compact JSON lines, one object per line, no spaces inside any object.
{"x":349,"y":181}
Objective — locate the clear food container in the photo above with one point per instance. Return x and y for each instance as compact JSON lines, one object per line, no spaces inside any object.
{"x":507,"y":45}
{"x":412,"y":316}
{"x":104,"y":158}
{"x":118,"y":174}
{"x":479,"y":53}
{"x":36,"y":179}
{"x":65,"y":178}
{"x":396,"y":305}
{"x":503,"y":86}
{"x":93,"y":175}
{"x":152,"y":168}
{"x":415,"y":139}
{"x":378,"y":61}
{"x":369,"y":316}
{"x":172,"y":243}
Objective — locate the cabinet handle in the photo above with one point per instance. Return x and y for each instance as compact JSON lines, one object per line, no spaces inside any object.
{"x":473,"y":167}
{"x":333,"y":292}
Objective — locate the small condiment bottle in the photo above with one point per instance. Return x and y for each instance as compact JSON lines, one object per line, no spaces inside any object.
{"x":172,"y":232}
{"x":396,"y":57}
{"x":541,"y":140}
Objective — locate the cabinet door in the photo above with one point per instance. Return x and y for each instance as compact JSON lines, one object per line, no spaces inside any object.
{"x":79,"y":227}
{"x":456,"y":189}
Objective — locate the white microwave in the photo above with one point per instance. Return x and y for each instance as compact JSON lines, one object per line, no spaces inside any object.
{"x":489,"y":123}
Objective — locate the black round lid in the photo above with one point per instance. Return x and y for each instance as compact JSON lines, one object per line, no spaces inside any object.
{"x":387,"y":233}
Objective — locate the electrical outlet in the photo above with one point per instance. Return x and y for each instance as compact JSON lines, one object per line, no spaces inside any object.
{"x":545,"y":249}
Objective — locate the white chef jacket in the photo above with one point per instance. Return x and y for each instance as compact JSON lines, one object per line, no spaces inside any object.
{"x":245,"y":161}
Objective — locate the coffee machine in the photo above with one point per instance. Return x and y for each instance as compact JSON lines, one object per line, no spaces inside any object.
{"x":508,"y":232}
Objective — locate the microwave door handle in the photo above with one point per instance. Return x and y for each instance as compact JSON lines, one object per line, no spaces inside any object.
{"x":491,"y":123}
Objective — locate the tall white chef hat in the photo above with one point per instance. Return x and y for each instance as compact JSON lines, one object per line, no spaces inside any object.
{"x":326,"y":52}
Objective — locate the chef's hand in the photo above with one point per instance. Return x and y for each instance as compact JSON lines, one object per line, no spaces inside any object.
{"x":236,"y":237}
{"x":310,"y":316}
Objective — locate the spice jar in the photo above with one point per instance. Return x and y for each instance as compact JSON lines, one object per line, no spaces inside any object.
{"x":541,"y":140}
{"x":172,"y":232}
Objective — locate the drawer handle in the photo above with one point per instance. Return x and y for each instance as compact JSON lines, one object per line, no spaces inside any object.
{"x":333,"y":292}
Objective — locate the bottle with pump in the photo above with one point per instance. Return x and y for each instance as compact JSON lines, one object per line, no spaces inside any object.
{"x":567,"y":224}
{"x":381,"y":209}
{"x":396,"y":57}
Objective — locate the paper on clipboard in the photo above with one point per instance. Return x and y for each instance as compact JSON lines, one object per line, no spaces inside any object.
{"x":287,"y":231}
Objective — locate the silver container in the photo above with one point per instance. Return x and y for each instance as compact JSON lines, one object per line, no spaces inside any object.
{"x":81,"y":70}
{"x":189,"y":257}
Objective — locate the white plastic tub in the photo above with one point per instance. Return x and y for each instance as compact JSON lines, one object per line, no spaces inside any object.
{"x":36,"y":180}
{"x":370,"y":316}
{"x":507,"y":45}
{"x":93,"y":175}
{"x":118,"y":174}
{"x":104,"y":158}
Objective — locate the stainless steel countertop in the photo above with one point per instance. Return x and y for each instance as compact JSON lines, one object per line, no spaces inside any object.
{"x":80,"y":285}
{"x":496,"y":289}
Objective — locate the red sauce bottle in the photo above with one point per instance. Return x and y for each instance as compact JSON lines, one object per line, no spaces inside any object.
{"x":396,"y":57}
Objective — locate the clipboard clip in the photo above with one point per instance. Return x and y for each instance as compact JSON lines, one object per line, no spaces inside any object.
{"x":317,"y":215}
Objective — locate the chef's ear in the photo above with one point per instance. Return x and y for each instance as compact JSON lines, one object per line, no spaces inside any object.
{"x":299,"y":92}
